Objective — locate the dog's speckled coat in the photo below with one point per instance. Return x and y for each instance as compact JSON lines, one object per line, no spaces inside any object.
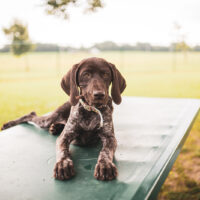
{"x":89,"y":80}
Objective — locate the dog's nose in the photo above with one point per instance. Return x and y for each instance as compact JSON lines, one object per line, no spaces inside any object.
{"x":99,"y":94}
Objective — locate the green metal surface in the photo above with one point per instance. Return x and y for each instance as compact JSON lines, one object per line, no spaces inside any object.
{"x":150,"y":133}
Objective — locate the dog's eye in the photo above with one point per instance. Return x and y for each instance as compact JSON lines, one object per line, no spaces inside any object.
{"x":105,"y":75}
{"x":86,"y":75}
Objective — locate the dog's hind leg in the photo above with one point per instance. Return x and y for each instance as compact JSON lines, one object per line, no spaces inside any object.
{"x":20,"y":120}
{"x":60,"y":115}
{"x":42,"y":121}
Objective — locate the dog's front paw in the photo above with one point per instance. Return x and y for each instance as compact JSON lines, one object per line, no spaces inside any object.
{"x":7,"y":125}
{"x":64,"y":169}
{"x":105,"y":171}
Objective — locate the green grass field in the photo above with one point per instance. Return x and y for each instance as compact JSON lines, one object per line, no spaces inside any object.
{"x":148,"y":74}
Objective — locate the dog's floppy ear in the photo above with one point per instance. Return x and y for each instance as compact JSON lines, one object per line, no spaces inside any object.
{"x":69,"y":84}
{"x":118,"y":84}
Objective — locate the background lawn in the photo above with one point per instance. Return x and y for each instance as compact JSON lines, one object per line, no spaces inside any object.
{"x":149,"y":74}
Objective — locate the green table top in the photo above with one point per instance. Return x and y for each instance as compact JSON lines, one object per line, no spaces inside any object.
{"x":150,"y":133}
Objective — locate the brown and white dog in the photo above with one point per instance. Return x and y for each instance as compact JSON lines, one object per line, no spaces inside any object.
{"x":86,"y":118}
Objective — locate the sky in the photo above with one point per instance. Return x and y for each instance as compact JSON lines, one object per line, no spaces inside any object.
{"x":121,"y":21}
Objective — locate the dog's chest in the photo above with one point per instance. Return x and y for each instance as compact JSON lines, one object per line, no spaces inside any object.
{"x":89,"y":121}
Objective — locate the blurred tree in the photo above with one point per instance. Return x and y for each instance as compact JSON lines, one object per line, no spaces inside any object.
{"x":176,"y":30}
{"x":19,"y":36}
{"x":107,"y":46}
{"x":179,"y":44}
{"x":196,"y":48}
{"x":182,"y":46}
{"x":59,"y":7}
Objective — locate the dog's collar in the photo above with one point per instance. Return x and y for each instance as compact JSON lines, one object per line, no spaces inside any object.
{"x":92,"y":108}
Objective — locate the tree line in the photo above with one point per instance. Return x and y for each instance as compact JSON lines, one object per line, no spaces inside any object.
{"x":105,"y":46}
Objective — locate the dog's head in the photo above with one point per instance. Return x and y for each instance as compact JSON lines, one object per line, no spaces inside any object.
{"x":91,"y":79}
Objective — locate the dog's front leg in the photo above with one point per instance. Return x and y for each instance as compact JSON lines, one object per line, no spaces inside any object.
{"x":105,"y":168}
{"x":64,"y":168}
